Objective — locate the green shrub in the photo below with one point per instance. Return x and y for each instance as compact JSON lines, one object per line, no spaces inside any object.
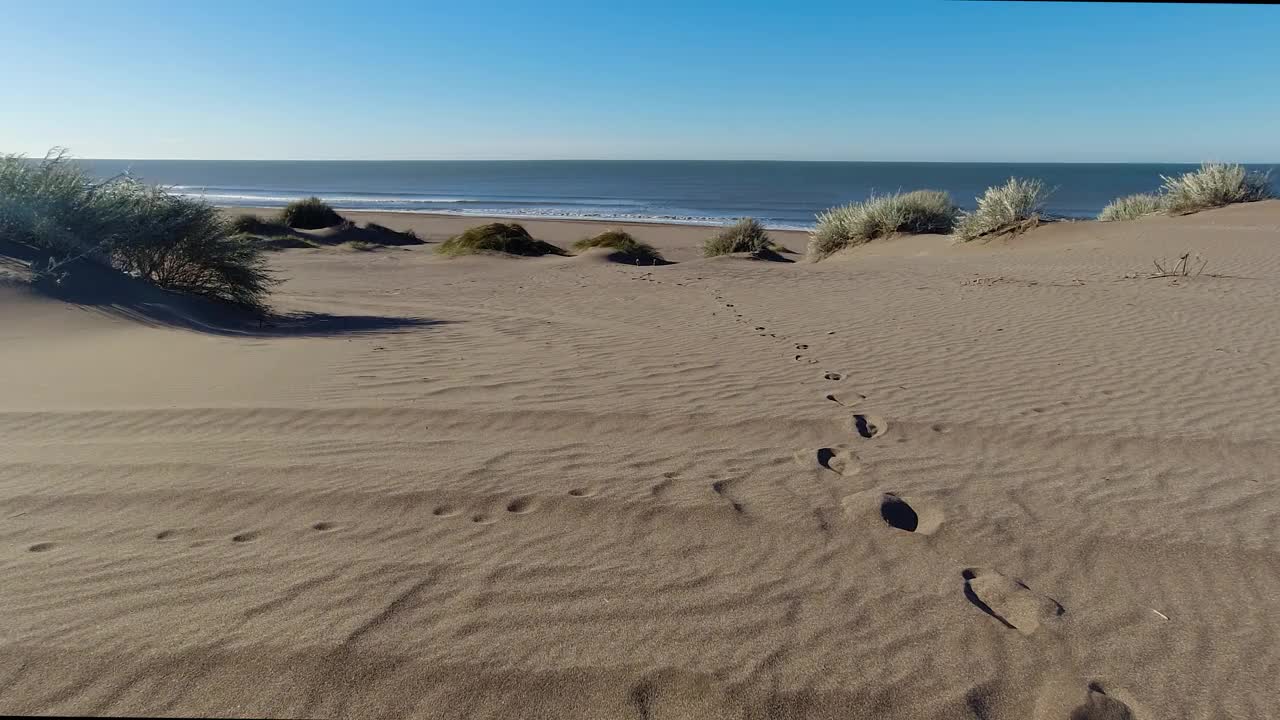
{"x":250,"y":224}
{"x":510,"y":238}
{"x":309,"y":214}
{"x":1010,"y":208}
{"x":746,"y":235}
{"x":919,"y":211}
{"x":1214,"y":185}
{"x":173,"y":241}
{"x":1131,"y":207}
{"x":622,"y":242}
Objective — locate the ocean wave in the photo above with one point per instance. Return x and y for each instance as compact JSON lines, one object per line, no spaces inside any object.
{"x":278,"y":196}
{"x":608,"y":210}
{"x":548,"y":214}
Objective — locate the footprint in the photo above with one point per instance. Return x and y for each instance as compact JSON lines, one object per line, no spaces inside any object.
{"x":1010,"y":601}
{"x":721,"y":488}
{"x":41,"y":547}
{"x":913,"y":516}
{"x":324,"y":526}
{"x":482,"y":519}
{"x":445,"y":511}
{"x":166,"y":534}
{"x":844,"y":400}
{"x":582,"y":492}
{"x":869,"y":426}
{"x":663,"y":488}
{"x":801,"y":346}
{"x":832,"y":376}
{"x":840,"y":461}
{"x":245,"y":537}
{"x":1098,"y":705}
{"x":521,"y":506}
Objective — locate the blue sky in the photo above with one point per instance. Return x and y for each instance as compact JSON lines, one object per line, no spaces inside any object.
{"x":758,"y":79}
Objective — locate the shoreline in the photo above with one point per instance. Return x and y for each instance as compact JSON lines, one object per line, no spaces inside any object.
{"x":526,"y":217}
{"x":675,"y":241}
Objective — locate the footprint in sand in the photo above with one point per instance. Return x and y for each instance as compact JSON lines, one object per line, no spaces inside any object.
{"x":869,"y":426}
{"x":582,"y":492}
{"x":910,"y":514}
{"x":845,"y":400}
{"x":521,"y":506}
{"x":482,"y":519}
{"x":664,"y":488}
{"x":832,"y":376}
{"x":723,"y":488}
{"x":841,"y":461}
{"x":1010,"y":601}
{"x":445,"y":511}
{"x":324,"y":526}
{"x":1098,"y":705}
{"x":246,"y":537}
{"x":41,"y":547}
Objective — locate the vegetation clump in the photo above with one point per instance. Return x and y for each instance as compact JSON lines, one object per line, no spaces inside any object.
{"x":509,"y":238}
{"x":919,"y":211}
{"x":746,"y":235}
{"x":1214,"y":185}
{"x":622,"y":243}
{"x":310,"y":214}
{"x":1131,"y":207}
{"x":1013,"y":207}
{"x":250,"y":224}
{"x":172,"y":241}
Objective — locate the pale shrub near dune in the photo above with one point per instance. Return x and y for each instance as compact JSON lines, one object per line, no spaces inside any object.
{"x":175,"y":242}
{"x":623,"y":243}
{"x":919,"y":211}
{"x":1009,"y":208}
{"x":1131,"y":207}
{"x":506,"y":238}
{"x":1214,"y":185}
{"x":747,"y":235}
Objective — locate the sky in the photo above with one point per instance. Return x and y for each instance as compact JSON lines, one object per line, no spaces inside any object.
{"x":910,"y":80}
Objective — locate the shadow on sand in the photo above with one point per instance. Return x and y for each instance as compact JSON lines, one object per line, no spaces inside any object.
{"x":107,"y":291}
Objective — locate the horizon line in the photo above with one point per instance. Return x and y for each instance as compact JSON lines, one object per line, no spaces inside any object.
{"x":689,"y":160}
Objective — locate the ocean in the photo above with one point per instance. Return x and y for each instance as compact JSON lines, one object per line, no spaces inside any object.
{"x":779,"y":194}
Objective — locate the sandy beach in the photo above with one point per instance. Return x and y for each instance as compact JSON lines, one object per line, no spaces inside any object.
{"x":1011,"y":480}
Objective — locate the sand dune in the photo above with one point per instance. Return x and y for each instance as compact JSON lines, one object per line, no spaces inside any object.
{"x":999,"y":481}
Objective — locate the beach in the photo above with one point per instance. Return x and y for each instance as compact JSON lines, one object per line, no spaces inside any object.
{"x":1019,"y":479}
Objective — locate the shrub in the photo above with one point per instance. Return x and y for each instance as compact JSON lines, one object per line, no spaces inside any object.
{"x":622,"y":242}
{"x":746,"y":235}
{"x":919,"y":211}
{"x":310,"y":214}
{"x":250,"y":224}
{"x":1131,"y":207}
{"x":383,"y":229}
{"x":1214,"y":185}
{"x":172,"y":241}
{"x":510,"y":238}
{"x":1010,"y":208}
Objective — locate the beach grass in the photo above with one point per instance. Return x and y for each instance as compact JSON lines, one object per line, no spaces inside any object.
{"x":1131,"y":207}
{"x":622,"y":242}
{"x":1214,"y":185}
{"x":509,"y":238}
{"x":1013,"y":207}
{"x":746,"y":235}
{"x":175,"y":242}
{"x":919,"y":211}
{"x":310,"y":214}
